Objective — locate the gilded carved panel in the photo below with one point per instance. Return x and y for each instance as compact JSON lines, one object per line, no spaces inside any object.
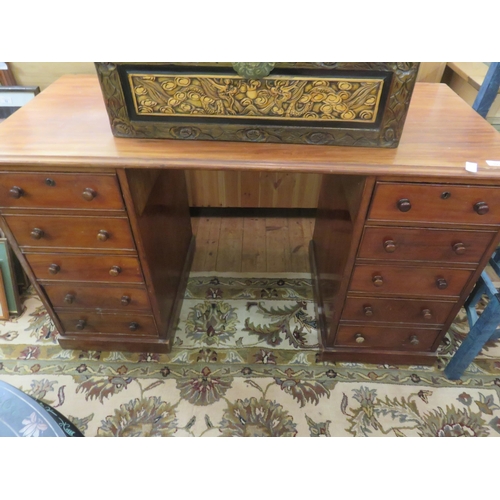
{"x":394,"y":83}
{"x":283,"y":98}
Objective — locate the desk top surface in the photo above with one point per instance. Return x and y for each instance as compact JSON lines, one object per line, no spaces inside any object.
{"x":67,"y":126}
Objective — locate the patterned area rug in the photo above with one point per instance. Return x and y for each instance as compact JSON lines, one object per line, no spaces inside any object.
{"x":244,"y":364}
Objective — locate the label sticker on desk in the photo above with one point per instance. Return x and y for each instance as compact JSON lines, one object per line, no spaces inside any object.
{"x":470,"y":167}
{"x":493,"y":163}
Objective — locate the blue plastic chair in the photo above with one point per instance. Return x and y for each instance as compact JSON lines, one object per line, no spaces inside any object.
{"x":488,"y":90}
{"x":482,"y":328}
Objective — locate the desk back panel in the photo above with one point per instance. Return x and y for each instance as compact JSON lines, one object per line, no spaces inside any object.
{"x":250,"y":189}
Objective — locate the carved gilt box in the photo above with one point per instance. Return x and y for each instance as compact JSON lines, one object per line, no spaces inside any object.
{"x":347,"y":104}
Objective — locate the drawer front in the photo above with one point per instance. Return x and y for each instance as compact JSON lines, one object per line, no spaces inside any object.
{"x":400,"y":339}
{"x":425,"y":312}
{"x":405,"y":281}
{"x":74,"y":295}
{"x":129,"y":324}
{"x":436,"y":203}
{"x":56,"y":190}
{"x":106,"y":268}
{"x":71,"y":232}
{"x":445,"y":245}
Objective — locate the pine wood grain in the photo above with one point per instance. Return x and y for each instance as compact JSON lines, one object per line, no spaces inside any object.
{"x":254,"y":255}
{"x":207,"y":243}
{"x":230,"y":245}
{"x":213,"y":243}
{"x":252,"y":244}
{"x":299,"y":245}
{"x":277,"y":245}
{"x":252,"y":189}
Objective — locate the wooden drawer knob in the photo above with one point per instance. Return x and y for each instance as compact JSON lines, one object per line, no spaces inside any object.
{"x":102,"y":235}
{"x":368,"y":310}
{"x":459,"y":248}
{"x":16,"y":192}
{"x":426,"y":313}
{"x":441,"y":283}
{"x":115,"y":270}
{"x":378,"y":280}
{"x":125,"y":300}
{"x":89,"y":194}
{"x":359,"y":338}
{"x":80,"y":325}
{"x":133,"y":326}
{"x":414,"y":340}
{"x":404,"y":205}
{"x":54,"y":268}
{"x":36,"y":233}
{"x":69,"y":298}
{"x":389,"y":246}
{"x":481,"y":208}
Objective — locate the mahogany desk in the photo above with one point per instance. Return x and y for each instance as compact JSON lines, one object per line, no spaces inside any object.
{"x":101,"y":224}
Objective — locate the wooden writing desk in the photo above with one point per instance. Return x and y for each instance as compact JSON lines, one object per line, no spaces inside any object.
{"x":101,"y":224}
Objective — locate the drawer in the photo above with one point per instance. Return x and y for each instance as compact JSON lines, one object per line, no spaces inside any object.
{"x":399,"y":339}
{"x":57,"y":190}
{"x":457,"y":204}
{"x":75,"y":295}
{"x":71,"y":232}
{"x":124,"y":324}
{"x":385,"y":310}
{"x":70,"y":267}
{"x":400,"y":280}
{"x":444,"y":245}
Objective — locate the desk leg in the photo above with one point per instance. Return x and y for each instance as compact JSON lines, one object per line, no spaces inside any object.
{"x":157,"y":204}
{"x":342,"y":208}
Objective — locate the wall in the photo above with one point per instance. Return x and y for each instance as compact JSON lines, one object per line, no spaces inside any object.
{"x":42,"y":74}
{"x":465,"y":79}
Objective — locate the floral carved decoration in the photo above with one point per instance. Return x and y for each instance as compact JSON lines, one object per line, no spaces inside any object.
{"x":325,"y":99}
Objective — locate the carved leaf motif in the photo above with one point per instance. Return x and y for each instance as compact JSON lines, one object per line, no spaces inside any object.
{"x":325,"y":99}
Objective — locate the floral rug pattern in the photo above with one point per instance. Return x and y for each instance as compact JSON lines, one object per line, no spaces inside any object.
{"x":244,"y":364}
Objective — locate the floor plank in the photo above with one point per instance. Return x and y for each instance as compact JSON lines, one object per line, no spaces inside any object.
{"x":252,"y":244}
{"x":202,"y":242}
{"x":254,"y":255}
{"x":308,"y":224}
{"x":277,"y":245}
{"x":298,"y":244}
{"x":212,"y":250}
{"x":230,"y":245}
{"x":195,"y":222}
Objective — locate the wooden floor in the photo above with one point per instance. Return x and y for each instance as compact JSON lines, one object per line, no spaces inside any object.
{"x":249,"y":244}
